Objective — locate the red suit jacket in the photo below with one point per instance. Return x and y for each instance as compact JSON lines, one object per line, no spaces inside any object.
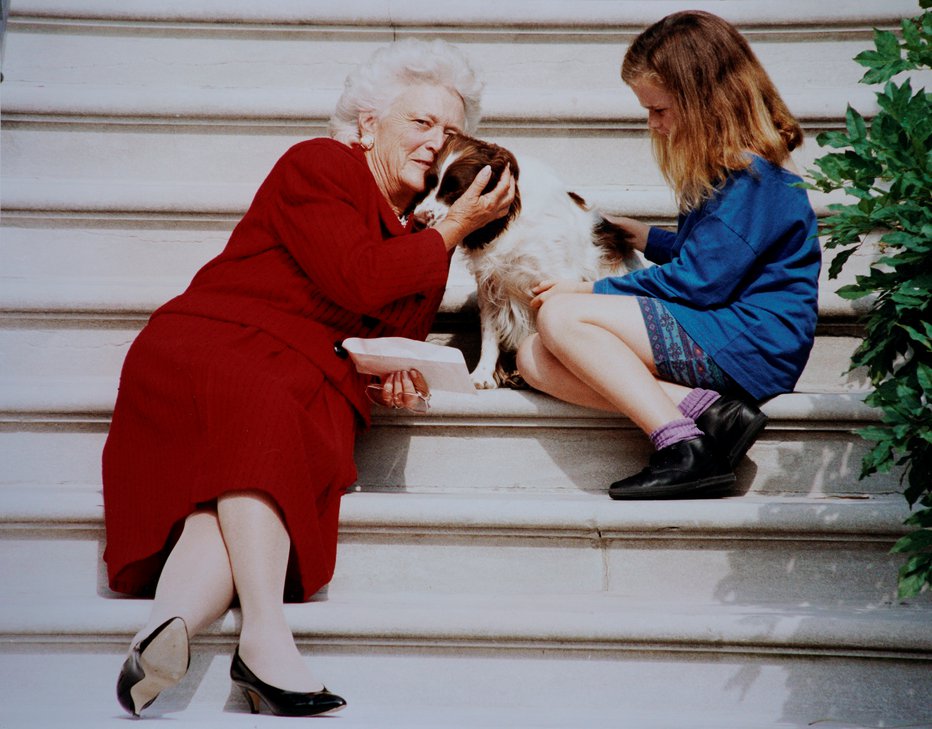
{"x":320,"y":256}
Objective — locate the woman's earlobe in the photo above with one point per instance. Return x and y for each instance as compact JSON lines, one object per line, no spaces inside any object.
{"x":366,"y":123}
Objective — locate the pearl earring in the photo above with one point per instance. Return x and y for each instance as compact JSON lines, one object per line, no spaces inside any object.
{"x":367,"y":140}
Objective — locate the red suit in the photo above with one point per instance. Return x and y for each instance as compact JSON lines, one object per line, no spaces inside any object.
{"x":236,"y":384}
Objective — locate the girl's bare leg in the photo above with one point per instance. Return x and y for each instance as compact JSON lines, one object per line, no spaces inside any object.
{"x":594,"y":350}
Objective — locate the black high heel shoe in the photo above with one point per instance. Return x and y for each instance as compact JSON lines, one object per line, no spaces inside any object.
{"x":280,"y":701}
{"x":155,"y":663}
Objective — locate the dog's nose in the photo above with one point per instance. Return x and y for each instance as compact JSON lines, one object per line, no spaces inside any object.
{"x":424,"y":218}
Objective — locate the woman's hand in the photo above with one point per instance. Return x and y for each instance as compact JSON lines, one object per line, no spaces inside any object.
{"x":551,"y":287}
{"x":472,"y":209}
{"x":403,"y":389}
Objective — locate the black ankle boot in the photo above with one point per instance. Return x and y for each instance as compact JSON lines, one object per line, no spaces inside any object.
{"x":735,"y":425}
{"x":688,"y":469}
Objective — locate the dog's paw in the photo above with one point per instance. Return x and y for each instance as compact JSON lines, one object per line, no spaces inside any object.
{"x":483,"y":380}
{"x":511,"y":379}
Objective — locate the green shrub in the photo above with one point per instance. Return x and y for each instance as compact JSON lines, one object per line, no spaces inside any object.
{"x":885,"y":165}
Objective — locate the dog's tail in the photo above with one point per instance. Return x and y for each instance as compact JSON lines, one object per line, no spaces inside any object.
{"x":614,"y":242}
{"x":611,"y":237}
{"x":616,"y":245}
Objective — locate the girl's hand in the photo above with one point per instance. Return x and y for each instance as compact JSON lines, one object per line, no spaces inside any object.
{"x":551,"y":287}
{"x":403,"y":389}
{"x":635,"y":230}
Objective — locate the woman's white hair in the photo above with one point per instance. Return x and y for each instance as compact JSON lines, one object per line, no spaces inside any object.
{"x":374,"y":85}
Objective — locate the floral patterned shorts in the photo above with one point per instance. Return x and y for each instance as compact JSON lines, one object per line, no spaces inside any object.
{"x":678,"y":358}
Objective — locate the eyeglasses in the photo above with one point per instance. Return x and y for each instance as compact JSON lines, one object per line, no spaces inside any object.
{"x":415,"y":402}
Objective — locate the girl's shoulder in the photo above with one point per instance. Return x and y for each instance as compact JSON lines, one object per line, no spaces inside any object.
{"x":761,"y":180}
{"x":766,"y":169}
{"x":761,"y":196}
{"x":766,"y":174}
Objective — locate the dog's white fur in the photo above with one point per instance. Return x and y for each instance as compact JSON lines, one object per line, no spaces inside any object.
{"x":551,"y":238}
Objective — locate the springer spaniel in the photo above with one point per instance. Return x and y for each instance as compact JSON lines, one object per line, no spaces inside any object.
{"x":549,"y":232}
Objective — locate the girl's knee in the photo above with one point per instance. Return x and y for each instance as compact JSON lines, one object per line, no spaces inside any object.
{"x":525,"y":360}
{"x":554,"y":317}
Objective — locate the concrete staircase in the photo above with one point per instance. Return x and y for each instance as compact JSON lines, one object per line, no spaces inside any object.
{"x":484,"y":578}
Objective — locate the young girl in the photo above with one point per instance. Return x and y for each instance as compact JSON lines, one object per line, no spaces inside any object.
{"x":727,"y":316}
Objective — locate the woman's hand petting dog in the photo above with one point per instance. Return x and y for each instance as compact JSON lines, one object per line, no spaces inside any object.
{"x":545,"y":289}
{"x":474,"y":210}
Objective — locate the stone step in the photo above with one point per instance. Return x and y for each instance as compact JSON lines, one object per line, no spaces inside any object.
{"x":188,"y":171}
{"x":823,"y":551}
{"x":573,"y":47}
{"x":515,"y":440}
{"x":161,"y":98}
{"x":44,"y":359}
{"x":546,"y":661}
{"x":94,"y":272}
{"x":584,"y":16}
{"x":513,"y":593}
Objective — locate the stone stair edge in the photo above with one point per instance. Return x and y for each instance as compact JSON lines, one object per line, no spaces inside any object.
{"x":867,"y":518}
{"x":138,"y":298}
{"x":32,"y":198}
{"x":94,"y":395}
{"x":509,"y":14}
{"x":588,"y":621}
{"x":29,"y":197}
{"x":34,"y":103}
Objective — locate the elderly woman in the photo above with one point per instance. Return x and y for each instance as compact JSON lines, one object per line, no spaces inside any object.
{"x":233,"y":432}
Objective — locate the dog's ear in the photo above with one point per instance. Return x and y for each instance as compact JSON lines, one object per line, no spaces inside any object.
{"x":503,"y":159}
{"x":499,"y":158}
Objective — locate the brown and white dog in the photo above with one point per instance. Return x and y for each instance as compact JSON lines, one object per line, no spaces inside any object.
{"x":549,"y":233}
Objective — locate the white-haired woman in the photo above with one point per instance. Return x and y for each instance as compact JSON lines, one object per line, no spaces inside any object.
{"x":232,"y":436}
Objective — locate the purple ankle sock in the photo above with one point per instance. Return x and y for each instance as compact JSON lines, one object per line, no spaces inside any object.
{"x":674,"y":432}
{"x":696,"y":402}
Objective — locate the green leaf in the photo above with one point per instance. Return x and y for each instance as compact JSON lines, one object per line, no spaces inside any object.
{"x":912,"y":38}
{"x":903,"y":239}
{"x":840,"y":259}
{"x":884,"y":168}
{"x":916,"y":336}
{"x":852,"y":291}
{"x":916,"y":541}
{"x":837,"y":140}
{"x":887,"y":44}
{"x":924,"y":371}
{"x":923,"y":519}
{"x":915,"y":575}
{"x":909,"y":298}
{"x":857,"y":127}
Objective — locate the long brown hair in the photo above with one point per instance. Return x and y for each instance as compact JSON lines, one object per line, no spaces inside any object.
{"x":725,"y":102}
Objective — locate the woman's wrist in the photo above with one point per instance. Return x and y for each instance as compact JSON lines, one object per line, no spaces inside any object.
{"x":452,"y":231}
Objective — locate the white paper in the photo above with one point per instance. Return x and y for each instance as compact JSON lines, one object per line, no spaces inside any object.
{"x":444,"y":368}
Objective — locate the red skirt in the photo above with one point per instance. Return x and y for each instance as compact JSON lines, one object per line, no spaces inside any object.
{"x":208,"y":407}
